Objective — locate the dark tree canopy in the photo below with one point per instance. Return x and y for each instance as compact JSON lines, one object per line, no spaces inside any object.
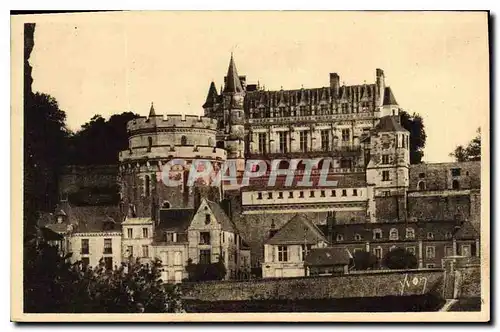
{"x":205,"y":272}
{"x":400,"y":258}
{"x":364,"y":260}
{"x":53,"y":285}
{"x":99,"y":142}
{"x":415,"y":125}
{"x":472,"y":152}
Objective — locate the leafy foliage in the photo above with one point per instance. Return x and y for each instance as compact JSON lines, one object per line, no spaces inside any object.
{"x":415,"y":125}
{"x":52,"y":284}
{"x":364,"y":260}
{"x":472,"y":152}
{"x":205,"y":272}
{"x":400,"y":258}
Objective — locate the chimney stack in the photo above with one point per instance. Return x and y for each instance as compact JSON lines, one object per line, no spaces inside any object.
{"x":380,"y":81}
{"x":335,"y":83}
{"x":330,"y":223}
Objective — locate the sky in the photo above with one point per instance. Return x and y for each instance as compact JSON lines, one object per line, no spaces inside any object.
{"x":437,"y":63}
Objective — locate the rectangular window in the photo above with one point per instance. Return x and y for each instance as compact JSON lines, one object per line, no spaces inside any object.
{"x":449,"y":251}
{"x":303,"y":141}
{"x":145,"y":251}
{"x":283,"y":138}
{"x":430,"y":266}
{"x":355,"y":192}
{"x":346,"y":135}
{"x":108,"y":263}
{"x":207,"y":218}
{"x":130,"y":251}
{"x":282,"y":254}
{"x":145,"y":232}
{"x":411,"y":250}
{"x":305,"y":250}
{"x":85,"y":247}
{"x":385,"y":159}
{"x":130,"y":233}
{"x":178,"y":257}
{"x":325,"y":140}
{"x":301,"y":194}
{"x":290,"y":194}
{"x":466,"y":250}
{"x":205,"y":256}
{"x":270,"y":195}
{"x":108,"y":248}
{"x":334,"y":193}
{"x":259,"y":195}
{"x":455,"y":172}
{"x":170,"y":237}
{"x":430,"y":252}
{"x":421,"y":175}
{"x":378,"y":253}
{"x":204,"y":237}
{"x":280,"y":195}
{"x":344,"y":192}
{"x":262,"y":142}
{"x":311,"y":193}
{"x":322,"y":193}
{"x":385,"y":176}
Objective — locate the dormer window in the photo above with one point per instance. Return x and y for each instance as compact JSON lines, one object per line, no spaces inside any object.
{"x":357,"y":237}
{"x":410,"y":233}
{"x":430,"y":236}
{"x":393,"y":235}
{"x":377,"y":234}
{"x":340,"y":237}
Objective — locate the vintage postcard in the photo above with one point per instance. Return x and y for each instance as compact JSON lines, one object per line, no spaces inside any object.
{"x":250,"y":166}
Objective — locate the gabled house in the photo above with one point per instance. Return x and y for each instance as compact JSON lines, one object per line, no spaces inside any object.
{"x":285,"y":251}
{"x":328,"y":261}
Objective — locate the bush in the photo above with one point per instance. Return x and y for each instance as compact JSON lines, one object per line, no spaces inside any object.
{"x":400,"y":258}
{"x":364,"y":260}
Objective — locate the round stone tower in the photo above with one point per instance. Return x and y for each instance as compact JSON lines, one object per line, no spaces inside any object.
{"x":154,"y":143}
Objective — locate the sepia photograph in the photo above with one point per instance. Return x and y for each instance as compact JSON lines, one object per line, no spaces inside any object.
{"x":250,"y":166}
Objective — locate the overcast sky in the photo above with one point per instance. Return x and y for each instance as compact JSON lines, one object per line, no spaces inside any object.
{"x":436,"y":63}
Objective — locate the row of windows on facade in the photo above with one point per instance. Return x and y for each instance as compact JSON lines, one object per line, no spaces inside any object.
{"x":184,"y":141}
{"x":393,"y":235}
{"x":284,"y":140}
{"x":324,"y":109}
{"x":430,"y":251}
{"x":312,"y":193}
{"x":455,"y":185}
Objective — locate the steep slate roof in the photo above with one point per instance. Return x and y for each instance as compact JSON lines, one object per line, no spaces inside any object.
{"x":353,"y":180}
{"x":211,"y":96}
{"x":389,"y":97}
{"x":299,"y":229}
{"x":97,"y":225}
{"x":233,"y":83}
{"x":389,"y":123}
{"x":328,"y":256}
{"x":467,"y":232}
{"x":221,"y":217}
{"x":152,"y":110}
{"x":175,"y":220}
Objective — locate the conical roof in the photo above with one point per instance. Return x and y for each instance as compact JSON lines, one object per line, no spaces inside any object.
{"x":211,"y":96}
{"x":389,"y":97}
{"x":233,"y":83}
{"x":152,"y":110}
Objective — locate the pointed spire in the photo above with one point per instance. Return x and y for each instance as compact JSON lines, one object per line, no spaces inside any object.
{"x":152,"y":110}
{"x":389,"y":97}
{"x":211,"y":96}
{"x":233,"y":83}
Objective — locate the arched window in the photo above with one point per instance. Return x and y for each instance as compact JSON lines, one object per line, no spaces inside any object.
{"x":456,"y":185}
{"x":421,"y":185}
{"x":340,"y":237}
{"x":357,"y":237}
{"x":147,"y":181}
{"x":410,"y":233}
{"x":393,"y":234}
{"x":430,"y":236}
{"x":183,"y":140}
{"x":377,"y":234}
{"x":165,"y":205}
{"x":150,"y":143}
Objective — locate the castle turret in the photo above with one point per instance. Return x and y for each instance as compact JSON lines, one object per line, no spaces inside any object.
{"x":234,"y":95}
{"x":211,"y":100}
{"x":387,"y":171}
{"x":389,"y":106}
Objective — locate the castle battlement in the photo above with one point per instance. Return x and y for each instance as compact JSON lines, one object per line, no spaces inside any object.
{"x":172,"y":121}
{"x":173,"y":152}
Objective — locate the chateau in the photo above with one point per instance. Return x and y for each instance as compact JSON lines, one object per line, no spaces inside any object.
{"x":380,"y":201}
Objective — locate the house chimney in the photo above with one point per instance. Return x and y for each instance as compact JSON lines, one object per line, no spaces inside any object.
{"x":330,"y":224}
{"x":335,"y":83}
{"x":273,"y":229}
{"x":380,"y":81}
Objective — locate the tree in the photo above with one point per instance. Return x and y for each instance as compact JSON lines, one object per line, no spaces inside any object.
{"x":53,"y":285}
{"x":472,"y":152}
{"x":415,"y":125}
{"x":99,"y":142}
{"x":206,"y":272}
{"x":364,"y":260}
{"x":400,"y":258}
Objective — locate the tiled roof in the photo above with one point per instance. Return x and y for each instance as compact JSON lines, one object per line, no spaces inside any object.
{"x":299,"y":229}
{"x":221,"y":217}
{"x":137,"y":220}
{"x":98,"y":224}
{"x":353,"y":180}
{"x":328,"y":256}
{"x":389,"y":97}
{"x":467,"y":232}
{"x":389,"y":123}
{"x":175,"y":220}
